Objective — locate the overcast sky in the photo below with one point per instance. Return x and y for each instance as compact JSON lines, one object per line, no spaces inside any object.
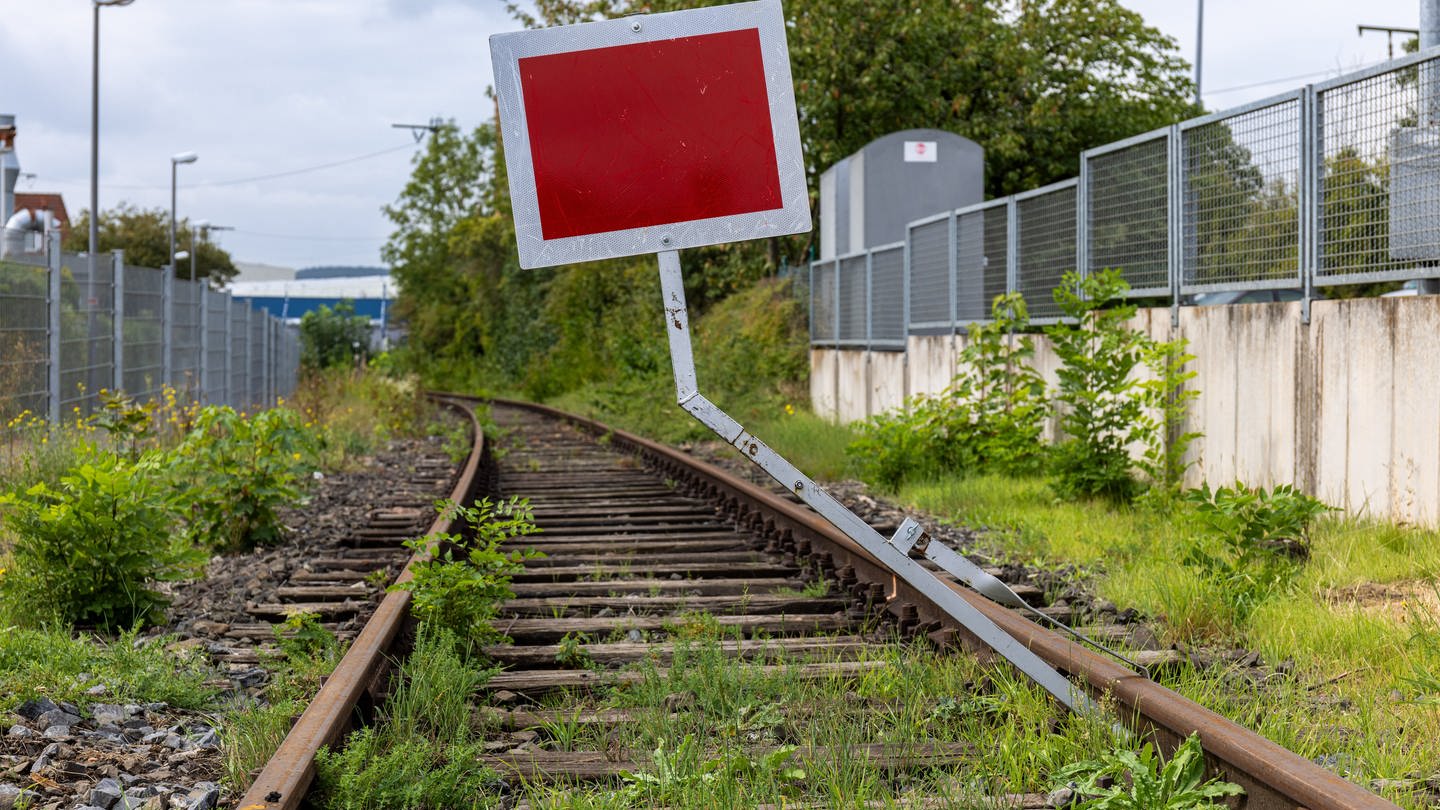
{"x":263,"y":87}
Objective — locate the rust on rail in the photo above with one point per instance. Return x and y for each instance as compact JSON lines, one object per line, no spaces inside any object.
{"x":283,"y":782}
{"x":1273,"y":776}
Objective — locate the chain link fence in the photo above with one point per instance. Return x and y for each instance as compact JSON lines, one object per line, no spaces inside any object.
{"x":1332,"y":184}
{"x":67,"y":333}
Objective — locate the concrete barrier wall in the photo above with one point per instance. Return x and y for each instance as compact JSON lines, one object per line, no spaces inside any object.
{"x":1346,"y":408}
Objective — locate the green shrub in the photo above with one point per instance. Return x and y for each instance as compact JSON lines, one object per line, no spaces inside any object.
{"x":89,"y":550}
{"x":333,"y":337}
{"x":1253,"y":541}
{"x":462,"y":585}
{"x":1104,"y":408}
{"x":234,"y":473}
{"x":990,"y":419}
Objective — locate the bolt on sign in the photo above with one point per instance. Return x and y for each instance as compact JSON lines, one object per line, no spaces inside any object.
{"x":650,"y":133}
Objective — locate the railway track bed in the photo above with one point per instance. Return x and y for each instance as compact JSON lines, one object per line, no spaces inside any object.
{"x":688,"y":639}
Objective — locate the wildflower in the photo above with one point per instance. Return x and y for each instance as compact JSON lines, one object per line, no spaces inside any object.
{"x":789,"y":409}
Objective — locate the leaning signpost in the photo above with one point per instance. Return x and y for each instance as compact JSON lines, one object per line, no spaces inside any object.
{"x":653,"y":133}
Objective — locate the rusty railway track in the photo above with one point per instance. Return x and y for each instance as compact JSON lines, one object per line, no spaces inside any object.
{"x":632,"y":526}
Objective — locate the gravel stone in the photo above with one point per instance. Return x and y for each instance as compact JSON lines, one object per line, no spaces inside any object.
{"x":32,"y":709}
{"x":106,"y":793}
{"x":21,"y":731}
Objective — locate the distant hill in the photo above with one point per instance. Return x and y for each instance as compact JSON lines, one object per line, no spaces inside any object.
{"x":341,"y":272}
{"x":255,"y":271}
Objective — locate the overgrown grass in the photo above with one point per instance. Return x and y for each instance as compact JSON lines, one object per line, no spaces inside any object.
{"x":716,"y":732}
{"x":63,"y":666}
{"x":422,"y":754}
{"x":356,"y":412}
{"x":1364,"y":641}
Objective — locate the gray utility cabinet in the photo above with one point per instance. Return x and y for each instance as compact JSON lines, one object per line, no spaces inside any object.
{"x":867,"y":198}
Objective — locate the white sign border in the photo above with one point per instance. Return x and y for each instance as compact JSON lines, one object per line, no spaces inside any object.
{"x":506,"y":50}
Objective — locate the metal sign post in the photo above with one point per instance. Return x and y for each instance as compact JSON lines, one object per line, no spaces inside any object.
{"x":658,"y":132}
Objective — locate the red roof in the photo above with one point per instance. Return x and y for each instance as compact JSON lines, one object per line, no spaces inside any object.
{"x":53,"y":203}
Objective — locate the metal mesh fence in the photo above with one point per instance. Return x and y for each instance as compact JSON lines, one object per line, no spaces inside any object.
{"x":239,"y":353}
{"x":1127,"y":213}
{"x":143,"y":330}
{"x":1045,"y":246}
{"x":995,"y":263}
{"x":217,"y":352}
{"x":1378,"y":172}
{"x":87,"y":333}
{"x":24,"y":344}
{"x":852,"y":300}
{"x":823,"y":288}
{"x":930,"y":274}
{"x":887,"y":297}
{"x":1241,"y":197}
{"x":185,"y":339}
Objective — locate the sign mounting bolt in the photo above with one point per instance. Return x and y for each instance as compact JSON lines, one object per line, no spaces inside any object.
{"x":664,"y":238}
{"x":636,"y":26}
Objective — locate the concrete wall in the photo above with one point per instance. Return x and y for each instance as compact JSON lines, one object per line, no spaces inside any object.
{"x":1346,"y":408}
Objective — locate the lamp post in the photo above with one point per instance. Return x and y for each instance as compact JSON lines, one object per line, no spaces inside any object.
{"x":95,"y":130}
{"x":175,"y":161}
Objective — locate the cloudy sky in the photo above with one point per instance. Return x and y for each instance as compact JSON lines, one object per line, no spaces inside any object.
{"x":280,"y":87}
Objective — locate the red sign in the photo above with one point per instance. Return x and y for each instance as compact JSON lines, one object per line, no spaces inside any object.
{"x":618,"y":142}
{"x":650,"y":133}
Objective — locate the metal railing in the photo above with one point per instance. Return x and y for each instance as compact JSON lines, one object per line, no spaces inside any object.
{"x":65,"y":336}
{"x":1334,"y":183}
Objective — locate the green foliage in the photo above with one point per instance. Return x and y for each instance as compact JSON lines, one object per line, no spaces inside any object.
{"x":236,"y":473}
{"x":422,"y":754}
{"x":570,"y":652}
{"x":989,"y":419}
{"x":683,"y":774}
{"x":467,"y":577}
{"x":127,"y":422}
{"x":1102,"y":406}
{"x":1255,"y":540}
{"x":62,"y":666}
{"x":334,"y":337}
{"x":1167,"y":401}
{"x":90,"y":550}
{"x":1125,"y":780}
{"x":144,"y":235}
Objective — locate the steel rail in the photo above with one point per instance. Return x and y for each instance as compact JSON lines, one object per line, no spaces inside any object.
{"x":1272,"y":776}
{"x":283,"y":782}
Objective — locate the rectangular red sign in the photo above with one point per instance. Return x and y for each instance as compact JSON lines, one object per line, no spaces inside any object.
{"x":645,"y":134}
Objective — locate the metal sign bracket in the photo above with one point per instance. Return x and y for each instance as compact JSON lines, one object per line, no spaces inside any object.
{"x":893,"y":552}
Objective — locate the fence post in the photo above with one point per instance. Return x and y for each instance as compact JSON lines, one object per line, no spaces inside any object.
{"x":265,"y":398}
{"x":203,"y":365}
{"x":1309,"y":203}
{"x":167,"y":326}
{"x":869,"y":289}
{"x":117,"y":310}
{"x":53,"y":259}
{"x":1012,"y":246}
{"x":952,"y":261}
{"x":228,"y":396}
{"x":1174,"y":202}
{"x":1082,"y":220}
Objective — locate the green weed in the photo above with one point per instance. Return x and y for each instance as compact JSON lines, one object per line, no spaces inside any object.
{"x":467,"y":576}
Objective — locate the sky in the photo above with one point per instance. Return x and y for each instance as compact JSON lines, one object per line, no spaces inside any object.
{"x":285,"y":87}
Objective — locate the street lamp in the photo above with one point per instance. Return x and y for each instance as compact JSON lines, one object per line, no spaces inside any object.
{"x":95,"y":130}
{"x":175,"y":161}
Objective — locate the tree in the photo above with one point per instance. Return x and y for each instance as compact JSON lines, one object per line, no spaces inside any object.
{"x":1032,"y":81}
{"x":333,"y":337}
{"x":144,"y":235}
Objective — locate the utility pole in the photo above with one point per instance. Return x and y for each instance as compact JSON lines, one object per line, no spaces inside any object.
{"x":419,"y":131}
{"x":1389,"y":33}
